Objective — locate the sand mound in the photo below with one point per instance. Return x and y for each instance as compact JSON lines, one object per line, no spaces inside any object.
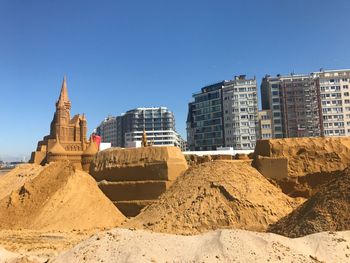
{"x":122,"y":245}
{"x":17,"y":177}
{"x":59,"y":198}
{"x":304,"y":163}
{"x":327,"y":210}
{"x":220,"y":194}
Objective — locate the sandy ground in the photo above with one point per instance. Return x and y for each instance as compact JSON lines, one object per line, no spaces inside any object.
{"x":39,"y":244}
{"x":125,"y":245}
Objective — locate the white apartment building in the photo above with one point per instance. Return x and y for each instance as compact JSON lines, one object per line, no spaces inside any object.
{"x":127,"y":130}
{"x":155,"y":138}
{"x":240,"y":112}
{"x":335,"y":101}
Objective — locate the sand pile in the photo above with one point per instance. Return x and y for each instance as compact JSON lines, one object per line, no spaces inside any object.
{"x":122,"y":245}
{"x":59,"y":198}
{"x":219,"y":194}
{"x":16,"y":177}
{"x":327,"y":210}
{"x":304,"y":164}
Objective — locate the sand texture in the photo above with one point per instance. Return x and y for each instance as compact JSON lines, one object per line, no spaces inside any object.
{"x":218,"y":194}
{"x":59,"y":198}
{"x":308,"y":155}
{"x":43,"y":245}
{"x":16,"y":177}
{"x":133,"y":178}
{"x":146,"y":163}
{"x":327,"y":210}
{"x":310,"y":162}
{"x":122,"y":245}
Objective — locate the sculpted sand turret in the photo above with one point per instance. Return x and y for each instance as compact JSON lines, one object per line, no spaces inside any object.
{"x":67,"y":138}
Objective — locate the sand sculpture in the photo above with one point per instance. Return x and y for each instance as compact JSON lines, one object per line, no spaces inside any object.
{"x":301,"y":165}
{"x":67,"y":139}
{"x":134,"y":178}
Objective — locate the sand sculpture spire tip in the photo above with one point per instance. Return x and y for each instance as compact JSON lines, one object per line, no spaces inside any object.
{"x":64,"y":93}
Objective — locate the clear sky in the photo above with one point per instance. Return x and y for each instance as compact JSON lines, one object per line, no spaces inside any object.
{"x":119,"y":55}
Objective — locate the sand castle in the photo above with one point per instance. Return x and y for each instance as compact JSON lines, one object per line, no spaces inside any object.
{"x":67,"y":139}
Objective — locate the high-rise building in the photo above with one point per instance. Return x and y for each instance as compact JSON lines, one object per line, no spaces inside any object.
{"x":205,"y":119}
{"x":126,"y":130}
{"x":333,"y":86}
{"x":224,"y":115}
{"x":308,"y":105}
{"x":271,"y":99}
{"x":108,"y":130}
{"x":240,"y":111}
{"x":294,"y":105}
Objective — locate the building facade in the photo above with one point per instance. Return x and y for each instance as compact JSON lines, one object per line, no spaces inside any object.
{"x":333,"y":86}
{"x":223,"y":115}
{"x":126,"y":130}
{"x":205,"y":119}
{"x":264,"y":125}
{"x":308,"y":105}
{"x":108,"y":130}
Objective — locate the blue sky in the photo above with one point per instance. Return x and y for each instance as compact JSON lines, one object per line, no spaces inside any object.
{"x":119,"y":55}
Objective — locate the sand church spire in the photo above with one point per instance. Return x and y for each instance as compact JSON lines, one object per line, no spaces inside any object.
{"x":63,"y":100}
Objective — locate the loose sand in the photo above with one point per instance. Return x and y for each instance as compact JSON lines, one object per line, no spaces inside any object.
{"x":122,"y":245}
{"x":214,"y":195}
{"x":40,"y":244}
{"x":59,"y":198}
{"x":16,"y":177}
{"x":327,"y":210}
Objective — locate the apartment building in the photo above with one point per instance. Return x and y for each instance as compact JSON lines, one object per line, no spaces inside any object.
{"x":308,"y":105}
{"x":127,"y":129}
{"x":205,"y":119}
{"x":223,"y":115}
{"x":271,"y":99}
{"x":108,"y":130}
{"x":294,"y":104}
{"x":240,"y":113}
{"x":333,"y":86}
